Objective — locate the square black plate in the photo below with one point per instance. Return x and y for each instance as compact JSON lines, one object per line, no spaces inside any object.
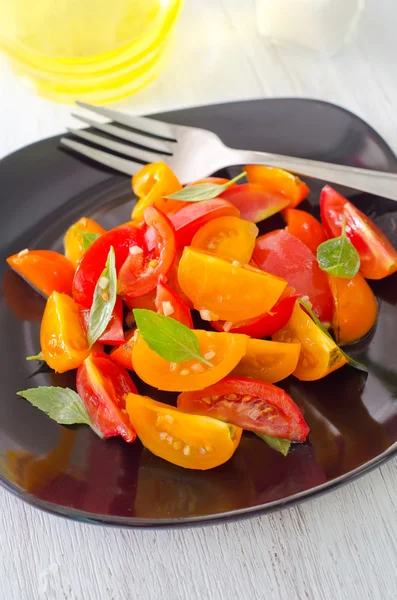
{"x":68,"y":471}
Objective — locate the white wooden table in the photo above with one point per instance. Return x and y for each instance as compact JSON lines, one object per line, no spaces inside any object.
{"x":340,"y":546}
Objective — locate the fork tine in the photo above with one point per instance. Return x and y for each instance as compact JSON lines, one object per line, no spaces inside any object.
{"x":123,"y":165}
{"x":135,"y":138}
{"x":144,"y":155}
{"x":151,"y":126}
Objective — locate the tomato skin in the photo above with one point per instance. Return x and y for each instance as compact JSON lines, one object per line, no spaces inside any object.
{"x":46,"y":271}
{"x":268,"y":361}
{"x":180,"y":312}
{"x":377,"y":255}
{"x":253,"y":405}
{"x":190,"y":441}
{"x":254,"y":202}
{"x":278,"y":181}
{"x":138,"y":276}
{"x":93,"y":262}
{"x":228,"y":237}
{"x":73,"y":243}
{"x":356,"y":309}
{"x":265,"y":325}
{"x":122,"y":355}
{"x":194,"y":215}
{"x":114,"y":334}
{"x":283,"y":254}
{"x":151,"y":184}
{"x":305,"y":227}
{"x":102,"y":385}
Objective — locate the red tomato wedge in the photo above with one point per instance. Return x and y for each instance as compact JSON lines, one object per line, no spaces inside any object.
{"x":140,"y":272}
{"x":253,"y":405}
{"x":305,"y":227}
{"x":93,"y":262}
{"x":191,"y":217}
{"x":267,"y":324}
{"x":169,"y":304}
{"x":102,"y":385}
{"x":377,"y":255}
{"x":282,"y":254}
{"x":254,"y":202}
{"x":278,"y":181}
{"x":46,"y":271}
{"x":114,"y":334}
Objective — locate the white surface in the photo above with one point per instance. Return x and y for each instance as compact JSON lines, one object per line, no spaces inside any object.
{"x":340,"y":546}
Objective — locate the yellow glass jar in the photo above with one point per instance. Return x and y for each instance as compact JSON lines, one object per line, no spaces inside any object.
{"x":92,"y":50}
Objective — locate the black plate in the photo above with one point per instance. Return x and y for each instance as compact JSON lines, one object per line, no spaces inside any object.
{"x":68,"y":471}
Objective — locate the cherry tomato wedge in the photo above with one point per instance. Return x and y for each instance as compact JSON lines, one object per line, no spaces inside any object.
{"x":140,"y":272}
{"x":216,"y":180}
{"x":377,"y":255}
{"x":356,"y":308}
{"x":228,"y":237}
{"x":173,"y":282}
{"x":319,"y":354}
{"x":268,"y":361}
{"x":229,"y":291}
{"x":46,"y":271}
{"x":254,"y":202}
{"x":190,"y":441}
{"x":113,"y":334}
{"x":146,"y":301}
{"x":122,"y":239}
{"x":63,"y":342}
{"x":282,"y":254}
{"x":223,"y":350}
{"x":103,"y":386}
{"x":253,"y":405}
{"x":73,"y":241}
{"x":169,"y":304}
{"x":151,"y":184}
{"x":122,"y":355}
{"x":305,"y":227}
{"x":267,"y":324}
{"x":278,"y":181}
{"x":194,"y":215}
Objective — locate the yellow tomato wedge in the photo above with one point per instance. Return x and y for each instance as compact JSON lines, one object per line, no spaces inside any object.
{"x":268,"y":361}
{"x":228,"y":237}
{"x":228,"y":290}
{"x":73,"y":242}
{"x":319,"y":353}
{"x":190,"y":441}
{"x":223,"y":350}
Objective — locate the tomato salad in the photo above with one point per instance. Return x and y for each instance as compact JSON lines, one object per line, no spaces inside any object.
{"x":120,"y":304}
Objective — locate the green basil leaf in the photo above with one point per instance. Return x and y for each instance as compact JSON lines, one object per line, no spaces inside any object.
{"x":338,"y":257}
{"x":168,"y":338}
{"x":87,"y":237}
{"x":62,"y":405}
{"x":104,"y":300}
{"x":278,"y":444}
{"x":351,"y":361}
{"x":38,"y":356}
{"x":203,"y":191}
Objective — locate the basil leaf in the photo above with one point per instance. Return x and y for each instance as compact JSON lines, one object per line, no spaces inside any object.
{"x":38,"y":356}
{"x":168,"y":338}
{"x":104,"y":300}
{"x":278,"y":444}
{"x":203,"y":191}
{"x":87,"y":237}
{"x":338,"y":257}
{"x":62,"y":405}
{"x":351,"y":361}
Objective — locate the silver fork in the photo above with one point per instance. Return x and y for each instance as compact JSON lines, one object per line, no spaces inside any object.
{"x":194,"y":153}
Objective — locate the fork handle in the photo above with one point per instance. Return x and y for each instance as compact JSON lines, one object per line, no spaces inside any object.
{"x":379,"y":183}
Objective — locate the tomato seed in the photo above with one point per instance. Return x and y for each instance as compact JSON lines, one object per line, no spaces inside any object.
{"x":186,"y":450}
{"x":177,"y":445}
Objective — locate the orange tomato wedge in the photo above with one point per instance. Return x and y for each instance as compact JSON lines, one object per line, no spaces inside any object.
{"x":63,"y":342}
{"x":228,"y":290}
{"x":228,"y":237}
{"x":151,"y":184}
{"x":223,"y":350}
{"x":45,"y":270}
{"x":190,"y":441}
{"x":122,"y":355}
{"x":319,"y":354}
{"x":73,"y":242}
{"x":356,"y":308}
{"x":278,"y":181}
{"x":268,"y":361}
